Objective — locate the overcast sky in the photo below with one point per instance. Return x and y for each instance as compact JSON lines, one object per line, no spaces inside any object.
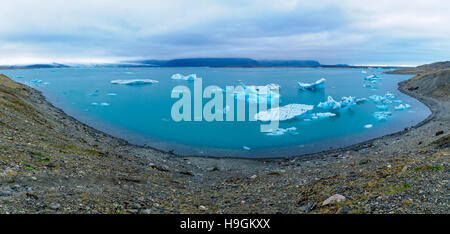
{"x":352,"y":32}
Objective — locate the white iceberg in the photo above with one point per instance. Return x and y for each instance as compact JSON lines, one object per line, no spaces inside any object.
{"x":402,"y":107}
{"x":382,"y":115}
{"x":283,"y":113}
{"x":182,"y":77}
{"x":134,"y":82}
{"x":360,"y":100}
{"x":322,"y":115}
{"x":246,"y":148}
{"x":104,"y":104}
{"x":319,"y":84}
{"x":331,"y":104}
{"x":282,"y":131}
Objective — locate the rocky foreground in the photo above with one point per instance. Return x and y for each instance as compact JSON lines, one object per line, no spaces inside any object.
{"x":51,"y":163}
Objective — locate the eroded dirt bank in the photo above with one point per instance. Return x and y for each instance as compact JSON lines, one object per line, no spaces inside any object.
{"x":51,"y":163}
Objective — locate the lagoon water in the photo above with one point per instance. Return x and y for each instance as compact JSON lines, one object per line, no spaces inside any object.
{"x":141,"y":114}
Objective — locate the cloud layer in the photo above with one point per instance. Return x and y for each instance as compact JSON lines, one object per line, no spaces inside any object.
{"x":354,"y":32}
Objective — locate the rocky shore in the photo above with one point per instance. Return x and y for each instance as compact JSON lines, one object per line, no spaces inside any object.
{"x":51,"y":163}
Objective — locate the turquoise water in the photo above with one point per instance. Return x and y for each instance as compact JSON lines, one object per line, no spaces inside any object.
{"x":141,"y":114}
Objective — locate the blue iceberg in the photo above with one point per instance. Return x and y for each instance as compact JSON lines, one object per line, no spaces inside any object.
{"x":134,"y":82}
{"x":382,"y":107}
{"x":382,"y":115}
{"x":331,"y":104}
{"x":402,"y":107}
{"x":282,"y":131}
{"x":182,"y":77}
{"x":258,"y":94}
{"x":319,"y":84}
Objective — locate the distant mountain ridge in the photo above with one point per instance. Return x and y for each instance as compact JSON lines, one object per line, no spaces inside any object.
{"x":227,"y":62}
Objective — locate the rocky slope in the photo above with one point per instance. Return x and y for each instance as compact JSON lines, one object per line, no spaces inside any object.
{"x":51,"y":163}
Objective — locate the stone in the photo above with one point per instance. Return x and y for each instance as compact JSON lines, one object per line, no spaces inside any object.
{"x":336,"y":198}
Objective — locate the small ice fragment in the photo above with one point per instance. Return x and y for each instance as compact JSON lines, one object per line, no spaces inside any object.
{"x":360,"y":100}
{"x":181,"y":77}
{"x":134,"y":82}
{"x":282,"y":131}
{"x":363,"y":72}
{"x":389,"y":95}
{"x":104,"y":104}
{"x":94,"y":103}
{"x":377,"y":98}
{"x":397,"y":101}
{"x":20,"y":77}
{"x":368,"y":126}
{"x":283,"y":113}
{"x":36,"y":81}
{"x":319,"y":84}
{"x":369,"y":86}
{"x":382,"y":115}
{"x":246,"y":147}
{"x":111,"y":94}
{"x":382,"y":107}
{"x":402,"y":107}
{"x":324,"y":115}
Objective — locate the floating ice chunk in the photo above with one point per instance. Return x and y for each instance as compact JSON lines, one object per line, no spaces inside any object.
{"x":382,"y":115}
{"x":360,"y":100}
{"x":111,"y":94}
{"x":319,"y":84}
{"x":246,"y":147}
{"x":402,"y":107}
{"x":282,"y":131}
{"x":283,"y":113}
{"x":134,"y":82}
{"x":369,"y":86}
{"x":389,"y":95}
{"x":188,"y":77}
{"x":363,"y":72}
{"x":377,"y":98}
{"x":20,"y":77}
{"x":331,"y":104}
{"x":387,"y":101}
{"x":382,"y":107}
{"x":36,"y":81}
{"x":94,"y":104}
{"x":397,"y":101}
{"x":104,"y":104}
{"x":324,"y":115}
{"x":258,"y":94}
{"x":372,"y":77}
{"x":368,"y":126}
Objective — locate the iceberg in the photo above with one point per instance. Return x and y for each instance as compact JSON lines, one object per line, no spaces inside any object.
{"x":397,"y":101}
{"x":134,"y":82}
{"x":402,"y":107}
{"x":257,"y":94}
{"x":382,"y":115}
{"x":331,"y":104}
{"x":104,"y":104}
{"x":368,"y":126}
{"x":246,"y":147}
{"x":283,"y":113}
{"x":111,"y":94}
{"x":319,"y":84}
{"x":282,"y":131}
{"x":322,"y":115}
{"x":360,"y":100}
{"x":369,"y":86}
{"x":188,"y":77}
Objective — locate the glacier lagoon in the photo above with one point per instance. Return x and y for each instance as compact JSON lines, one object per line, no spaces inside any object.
{"x":141,"y":114}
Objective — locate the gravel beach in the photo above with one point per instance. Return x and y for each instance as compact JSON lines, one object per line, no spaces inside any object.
{"x":52,"y":163}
